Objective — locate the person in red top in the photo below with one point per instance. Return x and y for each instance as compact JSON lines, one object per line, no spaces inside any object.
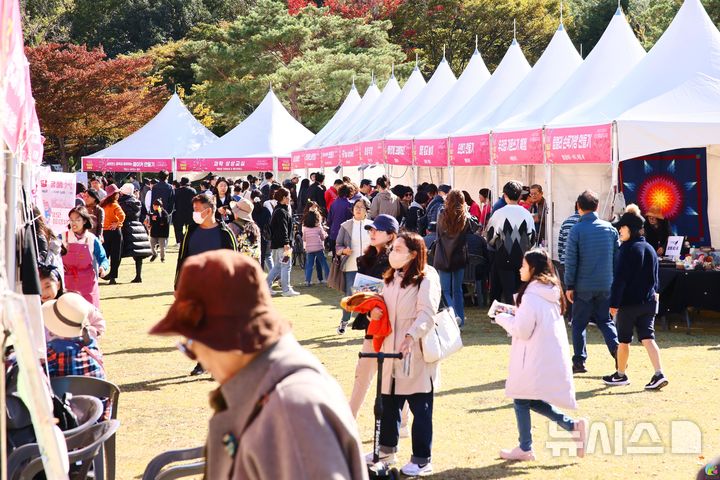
{"x":332,"y":194}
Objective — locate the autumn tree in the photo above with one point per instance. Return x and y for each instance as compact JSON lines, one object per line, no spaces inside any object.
{"x":85,"y":100}
{"x":371,"y":9}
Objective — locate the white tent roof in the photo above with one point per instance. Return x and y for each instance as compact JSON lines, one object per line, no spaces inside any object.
{"x":670,"y":100}
{"x":557,"y":63}
{"x":347,"y":108}
{"x":270,"y":131}
{"x":376,"y":128}
{"x":362,"y":112}
{"x":173,"y":132}
{"x":508,"y":74}
{"x":473,"y":77}
{"x":617,"y":52}
{"x":441,"y":82}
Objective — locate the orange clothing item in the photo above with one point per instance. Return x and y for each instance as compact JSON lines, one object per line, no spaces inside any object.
{"x":364,"y":302}
{"x":113,"y":213}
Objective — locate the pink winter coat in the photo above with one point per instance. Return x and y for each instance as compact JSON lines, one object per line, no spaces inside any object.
{"x":540,"y":355}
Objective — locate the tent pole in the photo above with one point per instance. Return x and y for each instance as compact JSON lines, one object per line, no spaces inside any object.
{"x":550,"y":216}
{"x":494,"y":171}
{"x":11,"y":218}
{"x":449,"y":163}
{"x":275,"y":168}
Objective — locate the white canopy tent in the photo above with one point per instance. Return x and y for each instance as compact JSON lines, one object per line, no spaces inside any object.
{"x":346,"y":110}
{"x":366,"y":112}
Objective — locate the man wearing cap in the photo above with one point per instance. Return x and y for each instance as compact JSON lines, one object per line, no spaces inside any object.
{"x":291,"y":184}
{"x":278,"y":414}
{"x":247,"y":233}
{"x":366,"y":188}
{"x":428,"y":223}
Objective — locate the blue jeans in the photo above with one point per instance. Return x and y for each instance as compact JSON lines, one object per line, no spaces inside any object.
{"x":349,"y":280}
{"x":316,"y":258}
{"x":451,"y":284}
{"x":595,"y":306}
{"x":279,"y":268}
{"x":421,"y":406}
{"x":522,"y":414}
{"x":267,"y":261}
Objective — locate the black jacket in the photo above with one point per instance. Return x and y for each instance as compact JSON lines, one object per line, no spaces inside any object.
{"x":281,"y":227}
{"x":227,"y":241}
{"x":165,"y":192}
{"x":159,"y":225}
{"x":136,"y":242}
{"x":316,"y":193}
{"x":373,"y":266}
{"x":451,"y":251}
{"x":183,"y":205}
{"x":636,"y":274}
{"x":229,"y":217}
{"x":414,"y":213}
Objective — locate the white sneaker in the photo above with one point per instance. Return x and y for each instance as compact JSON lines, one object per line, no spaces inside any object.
{"x":415,"y":470}
{"x":386,"y":458}
{"x":291,"y":293}
{"x":404,"y":432}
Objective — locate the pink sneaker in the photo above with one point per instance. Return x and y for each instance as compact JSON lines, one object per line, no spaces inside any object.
{"x":517,"y":454}
{"x":581,"y":426}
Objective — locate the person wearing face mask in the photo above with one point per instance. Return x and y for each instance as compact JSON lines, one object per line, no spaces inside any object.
{"x":412,"y":294}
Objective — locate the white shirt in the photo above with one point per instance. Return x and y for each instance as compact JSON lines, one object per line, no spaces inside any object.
{"x":358,"y":243}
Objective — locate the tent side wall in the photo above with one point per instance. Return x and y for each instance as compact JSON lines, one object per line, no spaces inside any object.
{"x":713,"y":179}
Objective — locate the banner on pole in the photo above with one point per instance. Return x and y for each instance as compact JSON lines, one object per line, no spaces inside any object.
{"x":126,"y":165}
{"x":349,"y":155}
{"x":296,"y":160}
{"x":371,"y":153}
{"x":399,"y":152}
{"x":311,"y":159}
{"x":284,"y":164}
{"x":431,"y":152}
{"x":224,"y":164}
{"x":523,"y":147}
{"x":329,"y":157}
{"x":57,"y":194}
{"x":579,"y":144}
{"x":470,"y":151}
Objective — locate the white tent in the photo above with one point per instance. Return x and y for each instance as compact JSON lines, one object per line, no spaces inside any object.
{"x":348,"y":107}
{"x":172,"y":133}
{"x":367,"y":110}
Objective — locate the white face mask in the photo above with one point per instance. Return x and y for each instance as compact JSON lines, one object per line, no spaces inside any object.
{"x":198,"y":217}
{"x":398,"y":260}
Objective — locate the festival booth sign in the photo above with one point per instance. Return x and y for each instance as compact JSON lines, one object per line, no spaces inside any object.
{"x":523,"y":147}
{"x":590,"y":144}
{"x":284,"y":164}
{"x":96,"y":164}
{"x":329,"y":156}
{"x":431,"y":152}
{"x":312,"y":158}
{"x":224,"y":164}
{"x":470,"y":151}
{"x":296,"y":160}
{"x":371,"y":153}
{"x":57,"y":191}
{"x":399,"y":152}
{"x":349,"y":155}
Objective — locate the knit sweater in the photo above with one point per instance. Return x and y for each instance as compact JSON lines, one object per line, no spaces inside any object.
{"x":313,"y":238}
{"x":636,"y":274}
{"x":590,"y":255}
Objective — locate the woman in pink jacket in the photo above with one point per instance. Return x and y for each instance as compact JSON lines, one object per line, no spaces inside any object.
{"x":540,"y":374}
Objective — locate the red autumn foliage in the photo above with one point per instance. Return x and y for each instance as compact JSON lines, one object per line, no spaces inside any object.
{"x":373,"y":9}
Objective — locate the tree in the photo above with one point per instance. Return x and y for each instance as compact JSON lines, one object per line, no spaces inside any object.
{"x":85,"y":100}
{"x":46,"y":20}
{"x":372,"y":9}
{"x":309,"y":59}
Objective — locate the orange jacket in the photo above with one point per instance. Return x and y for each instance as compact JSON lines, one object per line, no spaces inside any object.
{"x":113,"y":213}
{"x":364,"y":302}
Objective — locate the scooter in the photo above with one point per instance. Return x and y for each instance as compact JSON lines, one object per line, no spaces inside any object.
{"x":380,"y":470}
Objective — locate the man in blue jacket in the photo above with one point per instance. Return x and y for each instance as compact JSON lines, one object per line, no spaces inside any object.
{"x":590,"y":256}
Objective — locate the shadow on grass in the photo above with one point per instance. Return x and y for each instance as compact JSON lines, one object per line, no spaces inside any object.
{"x":142,"y":350}
{"x":330,"y":341}
{"x":159,"y":383}
{"x":139,"y":296}
{"x":499,"y":470}
{"x":487,"y":387}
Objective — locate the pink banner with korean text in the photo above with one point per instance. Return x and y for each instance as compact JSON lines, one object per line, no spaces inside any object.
{"x":523,"y":147}
{"x":431,"y":152}
{"x":311,"y":159}
{"x":296,"y":160}
{"x":91,"y":164}
{"x":224,"y":164}
{"x":399,"y":152}
{"x":470,"y":151}
{"x":330,"y":156}
{"x":349,"y":155}
{"x":371,"y":153}
{"x":579,"y":144}
{"x":284,"y":164}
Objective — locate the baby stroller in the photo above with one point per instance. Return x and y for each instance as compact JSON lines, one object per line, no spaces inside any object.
{"x":298,"y":256}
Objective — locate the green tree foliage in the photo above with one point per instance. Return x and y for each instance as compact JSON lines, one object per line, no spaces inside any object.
{"x":46,"y":20}
{"x":309,"y":59}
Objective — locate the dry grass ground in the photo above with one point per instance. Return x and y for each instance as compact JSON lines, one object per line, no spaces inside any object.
{"x":162,"y":408}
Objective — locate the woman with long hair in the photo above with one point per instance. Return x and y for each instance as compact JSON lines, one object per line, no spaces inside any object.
{"x":485,"y":196}
{"x":92,"y":203}
{"x":451,"y":252}
{"x":303,"y":193}
{"x":223,"y":197}
{"x":473,"y":206}
{"x":540,"y":374}
{"x":112,"y":230}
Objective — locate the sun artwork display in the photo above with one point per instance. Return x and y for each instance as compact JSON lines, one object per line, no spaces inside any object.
{"x":661,"y":191}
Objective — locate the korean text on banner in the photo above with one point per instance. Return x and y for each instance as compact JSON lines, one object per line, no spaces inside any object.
{"x":349,"y":155}
{"x":579,"y":144}
{"x":57,"y":191}
{"x":371,"y":153}
{"x":296,"y":160}
{"x":431,"y":152}
{"x":523,"y":147}
{"x":224,"y":164}
{"x":92,"y":164}
{"x":330,"y":157}
{"x":470,"y":151}
{"x":312,"y":159}
{"x":284,"y":164}
{"x":399,"y":152}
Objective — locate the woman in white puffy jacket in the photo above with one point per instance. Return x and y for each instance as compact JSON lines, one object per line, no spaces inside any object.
{"x":540,"y":373}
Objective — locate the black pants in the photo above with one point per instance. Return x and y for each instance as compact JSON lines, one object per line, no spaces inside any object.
{"x":504,"y":284}
{"x":138,"y":266}
{"x":421,"y":406}
{"x":179,"y":227}
{"x":113,"y":250}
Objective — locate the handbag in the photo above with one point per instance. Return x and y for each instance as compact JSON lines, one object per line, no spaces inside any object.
{"x":336,"y":278}
{"x":444,"y":339}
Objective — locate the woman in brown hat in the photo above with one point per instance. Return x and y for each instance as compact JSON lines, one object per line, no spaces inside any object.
{"x":657,"y":229}
{"x":278,"y":413}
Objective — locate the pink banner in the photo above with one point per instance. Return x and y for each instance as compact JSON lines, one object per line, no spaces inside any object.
{"x":90,"y":164}
{"x":349,"y":155}
{"x":312,"y":159}
{"x":224,"y":164}
{"x":371,"y":153}
{"x":470,"y":151}
{"x":330,"y":157}
{"x":284,"y":164}
{"x":431,"y":152}
{"x":399,"y":152}
{"x":296,"y":160}
{"x":579,"y":144}
{"x":523,"y":147}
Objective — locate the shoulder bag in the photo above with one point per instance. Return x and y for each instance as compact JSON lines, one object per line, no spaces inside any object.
{"x":444,"y":339}
{"x":336,"y":278}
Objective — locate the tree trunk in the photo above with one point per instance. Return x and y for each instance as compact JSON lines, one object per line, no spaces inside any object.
{"x":62,"y":153}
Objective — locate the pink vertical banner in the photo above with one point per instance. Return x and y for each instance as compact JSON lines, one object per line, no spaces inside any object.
{"x":284,"y":164}
{"x":371,"y":153}
{"x":431,"y":152}
{"x":312,"y":158}
{"x":579,"y":144}
{"x":329,"y":156}
{"x":399,"y":152}
{"x":470,"y":151}
{"x":349,"y":155}
{"x":523,"y":147}
{"x":296,"y":160}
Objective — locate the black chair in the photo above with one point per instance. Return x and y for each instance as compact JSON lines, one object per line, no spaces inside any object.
{"x":156,"y":469}
{"x":102,"y":389}
{"x":83,"y":448}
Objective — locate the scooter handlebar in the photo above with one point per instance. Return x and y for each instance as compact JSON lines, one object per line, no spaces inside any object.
{"x":380,"y":355}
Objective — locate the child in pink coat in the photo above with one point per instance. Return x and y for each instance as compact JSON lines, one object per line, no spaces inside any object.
{"x":540,"y":374}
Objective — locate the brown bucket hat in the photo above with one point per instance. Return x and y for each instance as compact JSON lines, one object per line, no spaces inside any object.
{"x":222,"y":300}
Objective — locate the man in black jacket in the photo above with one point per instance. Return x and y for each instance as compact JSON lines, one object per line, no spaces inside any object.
{"x":316,"y":193}
{"x":183,"y":208}
{"x":164,"y":192}
{"x":281,"y":234}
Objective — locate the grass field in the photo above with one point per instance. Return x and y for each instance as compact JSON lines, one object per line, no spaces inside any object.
{"x":162,"y":408}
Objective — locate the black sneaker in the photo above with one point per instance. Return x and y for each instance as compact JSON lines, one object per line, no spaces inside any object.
{"x":341,"y":328}
{"x":198,"y":370}
{"x":657,"y":382}
{"x":153,"y":257}
{"x":579,"y":369}
{"x":616,"y":379}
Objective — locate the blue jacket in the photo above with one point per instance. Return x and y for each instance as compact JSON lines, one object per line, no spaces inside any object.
{"x":636,"y":274}
{"x":340,"y":211}
{"x":428,"y":223}
{"x":590,"y":255}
